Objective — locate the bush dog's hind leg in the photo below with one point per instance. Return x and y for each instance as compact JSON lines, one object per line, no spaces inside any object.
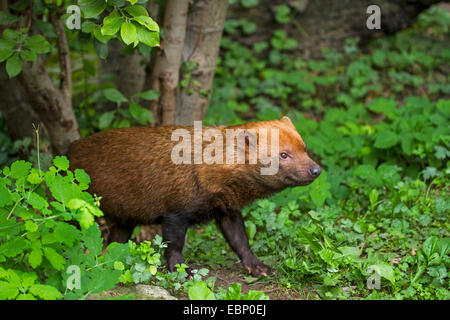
{"x":232,"y":225}
{"x":120,"y":233}
{"x":174,"y":229}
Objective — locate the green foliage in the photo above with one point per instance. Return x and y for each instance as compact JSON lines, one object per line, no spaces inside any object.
{"x":38,"y":237}
{"x":379,"y":123}
{"x":125,"y":20}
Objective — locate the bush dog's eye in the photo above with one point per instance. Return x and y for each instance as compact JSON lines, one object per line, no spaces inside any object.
{"x":283,"y":155}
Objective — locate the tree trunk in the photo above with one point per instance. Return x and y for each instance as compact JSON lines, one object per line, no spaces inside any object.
{"x":204,"y":32}
{"x":15,"y":108}
{"x":168,"y":61}
{"x":51,"y":105}
{"x":128,"y":71}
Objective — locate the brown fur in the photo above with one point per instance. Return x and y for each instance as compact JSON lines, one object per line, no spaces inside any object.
{"x":131,"y":169}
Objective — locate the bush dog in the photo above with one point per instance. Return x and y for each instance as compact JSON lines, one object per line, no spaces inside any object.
{"x":134,"y":171}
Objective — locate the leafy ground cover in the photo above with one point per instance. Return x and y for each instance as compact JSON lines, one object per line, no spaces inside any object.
{"x":373,"y":226}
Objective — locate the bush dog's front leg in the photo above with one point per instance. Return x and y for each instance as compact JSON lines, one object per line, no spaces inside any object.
{"x":232,"y":225}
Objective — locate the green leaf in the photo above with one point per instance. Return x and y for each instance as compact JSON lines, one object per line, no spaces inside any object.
{"x":88,"y":26}
{"x":234,"y":292}
{"x":255,"y":295}
{"x":384,"y":270}
{"x":13,"y":248}
{"x":93,"y":240}
{"x":149,"y":95}
{"x":386,"y":139}
{"x":6,"y":49}
{"x":61,"y":162}
{"x":101,"y":49}
{"x":35,"y":257}
{"x":92,"y":8}
{"x":45,"y":292}
{"x":8,"y":291}
{"x":66,"y":233}
{"x":20,"y":169}
{"x":147,"y":22}
{"x":5,"y":196}
{"x":111,"y":23}
{"x":31,"y":226}
{"x":147,"y":37}
{"x":140,"y":114}
{"x":37,"y":44}
{"x":128,"y":33}
{"x":114,"y":95}
{"x":100,"y":37}
{"x":385,"y":106}
{"x":136,"y":11}
{"x":56,"y":260}
{"x":83,"y":178}
{"x":37,"y":202}
{"x":13,"y":66}
{"x":200,"y":291}
{"x":86,"y":219}
{"x":105,"y":120}
{"x":6,"y":18}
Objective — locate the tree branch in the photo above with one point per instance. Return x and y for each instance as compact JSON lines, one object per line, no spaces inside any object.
{"x":64,"y":56}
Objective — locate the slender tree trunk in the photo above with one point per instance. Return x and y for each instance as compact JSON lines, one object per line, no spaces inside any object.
{"x":128,"y":70}
{"x":168,"y":61}
{"x":204,"y":31}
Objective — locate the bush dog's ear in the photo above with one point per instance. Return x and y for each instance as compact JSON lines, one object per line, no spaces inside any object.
{"x":286,"y":119}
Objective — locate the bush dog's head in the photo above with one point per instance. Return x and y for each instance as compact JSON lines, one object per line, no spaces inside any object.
{"x":290,"y":163}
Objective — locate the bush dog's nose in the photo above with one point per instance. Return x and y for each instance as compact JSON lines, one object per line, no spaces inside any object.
{"x":315,"y":171}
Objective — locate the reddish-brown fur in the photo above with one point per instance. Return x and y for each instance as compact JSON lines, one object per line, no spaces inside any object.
{"x":131,"y":169}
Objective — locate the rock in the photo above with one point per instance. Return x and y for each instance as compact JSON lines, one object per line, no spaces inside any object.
{"x":137,"y":292}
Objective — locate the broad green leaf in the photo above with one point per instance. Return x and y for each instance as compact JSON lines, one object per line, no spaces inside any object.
{"x":92,"y":8}
{"x":93,"y":240}
{"x":111,"y":23}
{"x":83,"y":178}
{"x":35,"y":257}
{"x":31,"y":226}
{"x":20,"y":169}
{"x":147,"y":37}
{"x":101,"y":49}
{"x":86,"y":218}
{"x":100,"y":37}
{"x":5,"y":196}
{"x":386,"y":139}
{"x":105,"y":119}
{"x":6,"y":18}
{"x":149,"y":95}
{"x":88,"y":26}
{"x":37,"y":44}
{"x":234,"y":292}
{"x":200,"y":291}
{"x":45,"y":292}
{"x":128,"y":33}
{"x":37,"y":202}
{"x":114,"y":95}
{"x":255,"y":295}
{"x":147,"y":22}
{"x":61,"y":162}
{"x":384,"y":270}
{"x":13,"y":248}
{"x":56,"y":260}
{"x":140,"y":114}
{"x":136,"y":11}
{"x":66,"y":233}
{"x":14,"y":65}
{"x":8,"y":291}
